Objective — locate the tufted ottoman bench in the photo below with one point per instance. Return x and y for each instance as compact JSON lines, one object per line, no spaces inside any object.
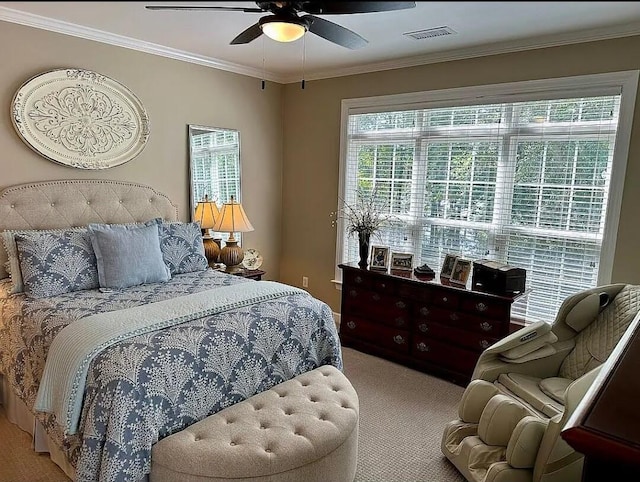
{"x":304,"y":429}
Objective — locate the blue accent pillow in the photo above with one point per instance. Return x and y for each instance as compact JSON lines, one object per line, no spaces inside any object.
{"x":56,"y":263}
{"x":128,"y":255}
{"x":182,"y":248}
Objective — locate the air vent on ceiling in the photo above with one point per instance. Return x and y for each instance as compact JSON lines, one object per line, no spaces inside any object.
{"x":430,"y":33}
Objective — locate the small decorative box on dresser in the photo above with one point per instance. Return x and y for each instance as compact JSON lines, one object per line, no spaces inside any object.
{"x":423,"y":324}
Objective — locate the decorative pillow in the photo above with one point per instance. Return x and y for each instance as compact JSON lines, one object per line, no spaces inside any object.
{"x":128,"y":255}
{"x":56,"y":263}
{"x":182,"y":248}
{"x":13,"y":264}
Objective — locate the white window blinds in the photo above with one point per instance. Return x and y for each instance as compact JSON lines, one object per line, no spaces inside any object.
{"x":526,"y":183}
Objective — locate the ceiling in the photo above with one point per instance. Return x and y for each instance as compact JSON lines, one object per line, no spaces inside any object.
{"x":481,"y":28}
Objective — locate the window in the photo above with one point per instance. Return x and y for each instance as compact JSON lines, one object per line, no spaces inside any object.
{"x":520,"y":173}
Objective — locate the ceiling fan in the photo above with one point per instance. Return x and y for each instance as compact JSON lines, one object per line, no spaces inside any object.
{"x":286,"y":25}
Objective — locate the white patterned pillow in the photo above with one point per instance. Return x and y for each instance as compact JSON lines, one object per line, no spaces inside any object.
{"x":56,"y":263}
{"x":182,"y":248}
{"x":13,"y":263}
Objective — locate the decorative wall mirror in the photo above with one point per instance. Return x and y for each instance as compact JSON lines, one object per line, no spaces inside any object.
{"x":214,"y":166}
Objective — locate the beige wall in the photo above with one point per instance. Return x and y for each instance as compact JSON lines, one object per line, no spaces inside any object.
{"x":312,"y":142}
{"x":174,"y":94}
{"x":289,"y":137}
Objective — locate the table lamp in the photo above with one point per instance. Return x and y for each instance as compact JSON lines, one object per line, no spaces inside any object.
{"x":232,"y":219}
{"x":207,"y":214}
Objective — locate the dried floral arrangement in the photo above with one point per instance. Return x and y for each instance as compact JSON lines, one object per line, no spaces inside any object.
{"x":366,"y":216}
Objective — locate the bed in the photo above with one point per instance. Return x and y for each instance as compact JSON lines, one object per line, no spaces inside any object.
{"x":98,"y":375}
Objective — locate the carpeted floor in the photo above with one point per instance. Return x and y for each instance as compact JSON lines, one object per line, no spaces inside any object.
{"x":402,"y":413}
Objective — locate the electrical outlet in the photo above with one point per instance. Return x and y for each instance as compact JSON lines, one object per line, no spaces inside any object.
{"x":305,"y":282}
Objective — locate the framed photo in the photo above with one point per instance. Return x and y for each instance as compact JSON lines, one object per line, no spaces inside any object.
{"x":402,"y":261}
{"x":447,"y":265}
{"x":461,"y":270}
{"x":379,"y":257}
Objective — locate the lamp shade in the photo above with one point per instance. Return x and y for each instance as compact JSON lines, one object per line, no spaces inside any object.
{"x":207,"y":213}
{"x":232,"y":219}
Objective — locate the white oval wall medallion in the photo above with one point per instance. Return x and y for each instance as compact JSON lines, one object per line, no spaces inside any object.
{"x":80,"y":119}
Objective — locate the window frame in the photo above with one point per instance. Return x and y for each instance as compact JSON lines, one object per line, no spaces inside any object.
{"x":624,"y":83}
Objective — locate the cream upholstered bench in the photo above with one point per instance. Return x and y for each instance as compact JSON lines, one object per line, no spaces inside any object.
{"x":304,"y":429}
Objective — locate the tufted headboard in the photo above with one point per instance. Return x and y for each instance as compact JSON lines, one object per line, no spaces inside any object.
{"x":65,"y":204}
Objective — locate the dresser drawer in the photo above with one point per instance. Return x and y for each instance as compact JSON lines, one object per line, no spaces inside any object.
{"x":496,"y":328}
{"x":384,"y":286}
{"x":421,"y":293}
{"x":444,"y":355}
{"x":486,"y":307}
{"x":455,"y":336}
{"x":445,"y":298}
{"x":356,"y":279}
{"x":378,"y":306}
{"x":380,"y":335}
{"x":428,"y":312}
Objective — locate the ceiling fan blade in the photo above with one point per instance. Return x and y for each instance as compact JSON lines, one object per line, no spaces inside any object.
{"x":203,"y":7}
{"x":335,"y":33}
{"x":336,"y":8}
{"x":248,"y":35}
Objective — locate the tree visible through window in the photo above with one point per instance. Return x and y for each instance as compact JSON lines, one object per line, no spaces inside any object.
{"x":526,"y":183}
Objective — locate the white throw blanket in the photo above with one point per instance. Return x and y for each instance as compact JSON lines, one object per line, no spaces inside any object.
{"x":62,"y":386}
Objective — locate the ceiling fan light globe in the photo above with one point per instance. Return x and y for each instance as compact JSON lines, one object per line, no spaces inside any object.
{"x":283,"y":31}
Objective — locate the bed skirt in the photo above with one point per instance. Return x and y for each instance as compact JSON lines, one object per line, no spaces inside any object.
{"x":18,"y":414}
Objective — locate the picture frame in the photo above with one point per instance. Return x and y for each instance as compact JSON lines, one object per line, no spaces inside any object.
{"x":447,"y":265}
{"x":461,"y":270}
{"x":402,"y":261}
{"x":379,"y":258}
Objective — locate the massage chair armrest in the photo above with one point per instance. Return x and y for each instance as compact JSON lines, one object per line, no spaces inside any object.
{"x":491,"y":364}
{"x":524,"y":341}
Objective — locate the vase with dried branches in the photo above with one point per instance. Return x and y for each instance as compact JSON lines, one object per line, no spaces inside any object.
{"x":364,"y":218}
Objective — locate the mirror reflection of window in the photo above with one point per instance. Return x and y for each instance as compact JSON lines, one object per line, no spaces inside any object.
{"x":214,"y":165}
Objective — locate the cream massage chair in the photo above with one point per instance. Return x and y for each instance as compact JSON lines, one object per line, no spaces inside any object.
{"x":525,"y":387}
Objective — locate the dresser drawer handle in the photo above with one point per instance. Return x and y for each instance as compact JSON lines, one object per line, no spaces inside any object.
{"x":399,"y":321}
{"x":481,"y":307}
{"x":376,"y":297}
{"x":353,"y":293}
{"x":484,"y":344}
{"x":422,"y":347}
{"x":399,"y":339}
{"x":486,"y":326}
{"x":351,"y":324}
{"x":401,"y":304}
{"x":383,"y":286}
{"x":445,"y":299}
{"x":358,"y":279}
{"x":454,"y":316}
{"x":424,"y":311}
{"x":423,"y":327}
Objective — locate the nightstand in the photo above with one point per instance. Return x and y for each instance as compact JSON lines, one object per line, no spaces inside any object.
{"x":255,"y":274}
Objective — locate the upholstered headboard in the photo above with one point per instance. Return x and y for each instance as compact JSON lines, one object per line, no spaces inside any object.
{"x":65,"y":204}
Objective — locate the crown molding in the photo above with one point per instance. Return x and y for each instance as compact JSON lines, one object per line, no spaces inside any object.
{"x":45,"y":23}
{"x":566,"y":38}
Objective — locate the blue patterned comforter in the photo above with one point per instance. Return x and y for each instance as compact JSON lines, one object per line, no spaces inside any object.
{"x":149,"y":386}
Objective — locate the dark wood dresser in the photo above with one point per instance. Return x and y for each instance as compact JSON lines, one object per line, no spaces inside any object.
{"x":421,"y":323}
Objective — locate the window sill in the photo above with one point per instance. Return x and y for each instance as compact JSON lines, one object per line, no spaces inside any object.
{"x":337,"y":283}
